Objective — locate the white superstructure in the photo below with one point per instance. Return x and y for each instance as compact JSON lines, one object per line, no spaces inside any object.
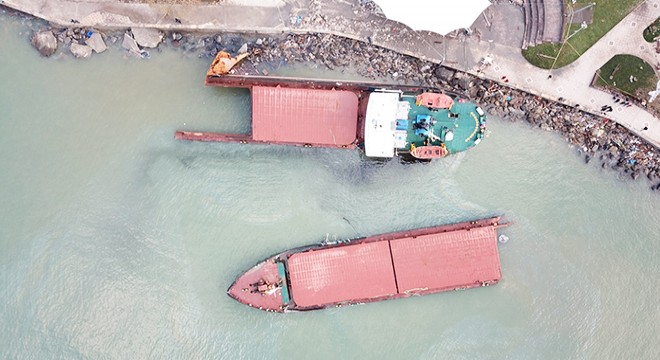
{"x":380,"y":124}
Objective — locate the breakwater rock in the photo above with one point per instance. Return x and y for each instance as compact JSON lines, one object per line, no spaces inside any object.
{"x":80,"y":51}
{"x":595,"y":137}
{"x":45,"y":42}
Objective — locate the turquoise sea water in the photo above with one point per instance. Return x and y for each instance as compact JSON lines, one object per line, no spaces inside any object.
{"x":117,"y":242}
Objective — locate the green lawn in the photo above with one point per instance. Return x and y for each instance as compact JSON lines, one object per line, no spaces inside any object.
{"x":615,"y":75}
{"x":653,"y":31}
{"x":607,"y":13}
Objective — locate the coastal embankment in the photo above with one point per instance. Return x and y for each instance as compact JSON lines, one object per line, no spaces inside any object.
{"x":595,"y":138}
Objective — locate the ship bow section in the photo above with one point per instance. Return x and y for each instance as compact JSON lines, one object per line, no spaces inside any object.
{"x":263,"y":287}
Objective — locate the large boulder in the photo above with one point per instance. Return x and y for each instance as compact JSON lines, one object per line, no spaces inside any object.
{"x":96,"y":43}
{"x":147,"y":38}
{"x":243,"y":49}
{"x":45,"y":42}
{"x":444,"y":74}
{"x":81,"y":51}
{"x":129,"y":44}
{"x":462,"y":81}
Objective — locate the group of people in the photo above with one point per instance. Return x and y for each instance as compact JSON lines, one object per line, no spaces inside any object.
{"x":623,"y":102}
{"x":617,"y":100}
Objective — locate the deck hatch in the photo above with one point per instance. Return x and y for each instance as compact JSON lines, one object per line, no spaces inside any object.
{"x":446,"y":260}
{"x":317,"y":117}
{"x":326,"y":276}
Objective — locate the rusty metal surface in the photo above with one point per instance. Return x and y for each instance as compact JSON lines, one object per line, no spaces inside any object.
{"x":249,"y":81}
{"x":211,"y":136}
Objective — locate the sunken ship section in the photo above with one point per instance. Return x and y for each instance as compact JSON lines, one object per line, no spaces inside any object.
{"x":375,"y":268}
{"x":381,"y":120}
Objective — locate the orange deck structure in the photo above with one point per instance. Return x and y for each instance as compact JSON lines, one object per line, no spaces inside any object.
{"x":434,"y":100}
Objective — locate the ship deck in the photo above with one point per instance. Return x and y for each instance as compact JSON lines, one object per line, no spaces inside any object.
{"x":378,"y":269}
{"x":272,"y":277}
{"x":465,"y":127}
{"x":329,"y":113}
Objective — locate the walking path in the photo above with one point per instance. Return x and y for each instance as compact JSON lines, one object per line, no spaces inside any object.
{"x":572,"y":82}
{"x":347,"y":19}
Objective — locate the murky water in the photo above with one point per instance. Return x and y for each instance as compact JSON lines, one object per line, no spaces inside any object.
{"x":118,"y":242}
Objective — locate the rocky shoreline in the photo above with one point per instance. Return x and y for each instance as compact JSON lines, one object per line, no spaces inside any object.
{"x":595,"y":138}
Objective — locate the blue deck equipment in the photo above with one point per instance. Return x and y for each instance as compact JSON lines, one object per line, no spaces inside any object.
{"x":423,"y":118}
{"x":402,"y":124}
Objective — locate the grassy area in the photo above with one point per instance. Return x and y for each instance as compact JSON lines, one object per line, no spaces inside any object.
{"x":653,"y":31}
{"x":607,"y":13}
{"x":616,"y":73}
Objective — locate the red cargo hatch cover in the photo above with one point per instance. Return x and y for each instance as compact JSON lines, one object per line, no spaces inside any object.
{"x":304,"y":116}
{"x":343,"y":273}
{"x":446,"y":260}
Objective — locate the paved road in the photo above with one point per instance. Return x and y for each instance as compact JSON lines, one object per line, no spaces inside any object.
{"x":345,"y":18}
